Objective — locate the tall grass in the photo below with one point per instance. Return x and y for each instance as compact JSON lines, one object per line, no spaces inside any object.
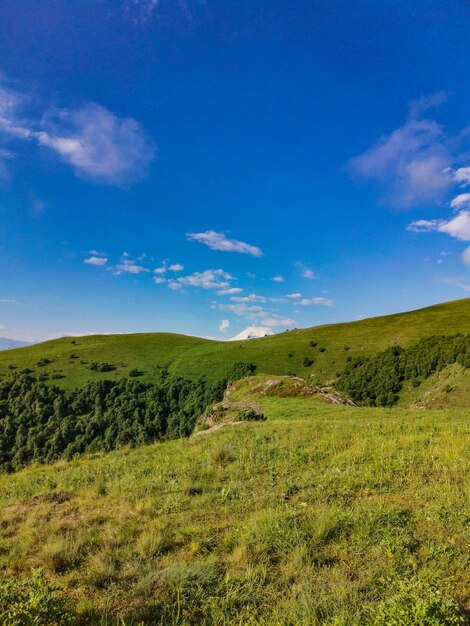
{"x":321,"y":515}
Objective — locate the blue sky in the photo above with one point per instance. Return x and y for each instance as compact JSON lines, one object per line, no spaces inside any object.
{"x":204,"y":167}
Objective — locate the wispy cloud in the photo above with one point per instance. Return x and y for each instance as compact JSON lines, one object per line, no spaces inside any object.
{"x":224,"y":326}
{"x":128,"y":266}
{"x":278,"y":320}
{"x":278,"y":279}
{"x":96,"y":143}
{"x":208,"y":279}
{"x":294,"y":296}
{"x":411,"y":164}
{"x":461,"y":201}
{"x":307,"y":273}
{"x":218,"y":241}
{"x":164,"y":268}
{"x":95,"y":260}
{"x":255,"y":313}
{"x":230,"y":291}
{"x":454,"y":281}
{"x":317,"y":301}
{"x":458,"y":226}
{"x":251,"y":298}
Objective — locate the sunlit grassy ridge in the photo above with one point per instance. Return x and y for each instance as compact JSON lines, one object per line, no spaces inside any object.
{"x":321,"y":515}
{"x":280,"y":354}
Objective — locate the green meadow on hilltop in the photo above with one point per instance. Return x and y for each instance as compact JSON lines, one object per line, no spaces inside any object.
{"x":315,"y":513}
{"x":67,"y":361}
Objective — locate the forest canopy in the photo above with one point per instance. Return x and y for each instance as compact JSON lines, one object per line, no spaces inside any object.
{"x":42,"y":423}
{"x":377,"y":381}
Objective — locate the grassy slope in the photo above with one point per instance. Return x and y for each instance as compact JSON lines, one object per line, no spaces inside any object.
{"x":191,"y":357}
{"x":321,"y":515}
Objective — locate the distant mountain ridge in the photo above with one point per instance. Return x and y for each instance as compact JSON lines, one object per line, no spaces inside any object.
{"x":9,"y":344}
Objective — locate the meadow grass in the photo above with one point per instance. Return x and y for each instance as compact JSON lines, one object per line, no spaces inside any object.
{"x":321,"y":515}
{"x":327,"y":346}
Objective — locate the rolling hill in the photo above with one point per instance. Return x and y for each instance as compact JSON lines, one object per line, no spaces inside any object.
{"x":67,"y":360}
{"x":318,"y":514}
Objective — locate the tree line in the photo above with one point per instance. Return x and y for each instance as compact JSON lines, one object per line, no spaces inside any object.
{"x":42,"y":423}
{"x":378,"y":380}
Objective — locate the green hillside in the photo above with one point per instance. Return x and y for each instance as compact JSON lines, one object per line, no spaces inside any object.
{"x":279,"y":354}
{"x":322,"y":515}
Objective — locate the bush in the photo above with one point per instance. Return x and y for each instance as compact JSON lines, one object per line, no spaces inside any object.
{"x":307,"y":362}
{"x":313,"y":344}
{"x":42,"y":362}
{"x":322,"y":349}
{"x":250,"y":415}
{"x":134,"y":373}
{"x":101,"y":367}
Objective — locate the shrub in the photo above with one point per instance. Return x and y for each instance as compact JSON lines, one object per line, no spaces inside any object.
{"x":42,"y":362}
{"x":101,"y":367}
{"x":250,"y":415}
{"x":313,"y":344}
{"x":321,"y":349}
{"x":134,"y":373}
{"x":307,"y":362}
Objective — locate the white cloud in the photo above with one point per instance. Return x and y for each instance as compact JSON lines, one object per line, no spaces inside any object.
{"x":224,"y":325}
{"x":277,"y":320}
{"x":158,"y":280}
{"x":462,"y":201}
{"x":462,"y":176}
{"x":458,"y":226}
{"x":252,"y":312}
{"x":230,"y":291}
{"x":278,"y":279}
{"x":129,"y":267}
{"x":209,"y":279}
{"x":160,"y":270}
{"x":306,"y":273}
{"x":176,"y":267}
{"x":96,"y":143}
{"x":411,"y":164}
{"x":95,"y":260}
{"x":294,"y":296}
{"x":319,"y":301}
{"x":466,"y":256}
{"x":424,"y":226}
{"x":251,"y":298}
{"x":174,"y":285}
{"x":218,"y":241}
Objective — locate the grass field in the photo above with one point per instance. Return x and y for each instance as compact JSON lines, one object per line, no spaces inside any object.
{"x":321,"y":515}
{"x":279,"y":354}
